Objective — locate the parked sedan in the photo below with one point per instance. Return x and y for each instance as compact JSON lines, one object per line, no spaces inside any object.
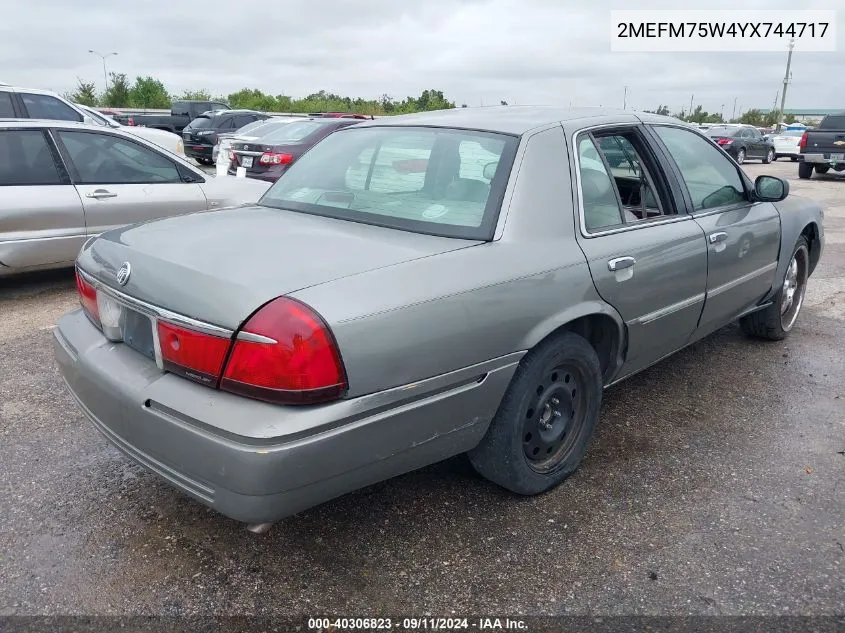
{"x":222,"y":150}
{"x":62,"y":183}
{"x":200,"y":135}
{"x":167,"y":140}
{"x":422,"y":286}
{"x":786,"y":143}
{"x":742,"y":142}
{"x":275,"y":149}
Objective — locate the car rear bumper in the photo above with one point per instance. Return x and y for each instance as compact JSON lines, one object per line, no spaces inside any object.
{"x":822,"y":158}
{"x":198,"y":150}
{"x":258,"y":462}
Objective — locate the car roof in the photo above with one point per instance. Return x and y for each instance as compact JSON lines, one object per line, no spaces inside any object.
{"x":37,"y":91}
{"x":514,"y":120}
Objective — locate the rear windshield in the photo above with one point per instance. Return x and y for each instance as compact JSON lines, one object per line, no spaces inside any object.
{"x":291,"y":132}
{"x":721,"y":130}
{"x":201,"y":122}
{"x":833,"y":122}
{"x":428,"y":180}
{"x":256,"y":127}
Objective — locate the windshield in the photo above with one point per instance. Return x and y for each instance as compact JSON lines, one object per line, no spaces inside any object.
{"x":201,"y":122}
{"x":428,"y":180}
{"x":291,"y":132}
{"x":99,"y":118}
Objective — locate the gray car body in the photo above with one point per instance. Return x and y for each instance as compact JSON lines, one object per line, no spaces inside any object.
{"x":44,"y":226}
{"x":430,"y":329}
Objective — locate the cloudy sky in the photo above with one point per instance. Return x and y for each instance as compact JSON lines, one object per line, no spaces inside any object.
{"x":476,"y":51}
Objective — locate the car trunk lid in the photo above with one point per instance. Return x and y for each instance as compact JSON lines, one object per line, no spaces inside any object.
{"x":218,"y":267}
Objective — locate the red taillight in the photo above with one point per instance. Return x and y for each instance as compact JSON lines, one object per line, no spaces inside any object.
{"x":272,"y":158}
{"x":803,"y":142}
{"x":88,"y":298}
{"x":292,"y":357}
{"x":192,"y":354}
{"x":724,"y":141}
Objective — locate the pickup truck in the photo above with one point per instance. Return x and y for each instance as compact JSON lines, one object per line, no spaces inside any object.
{"x":824,"y":147}
{"x":181,"y":113}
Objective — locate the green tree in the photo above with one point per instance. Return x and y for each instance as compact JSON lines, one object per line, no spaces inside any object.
{"x":149,"y":93}
{"x":193,"y":95}
{"x":752,"y":117}
{"x":86,"y":93}
{"x":117,"y":95}
{"x":789,"y":118}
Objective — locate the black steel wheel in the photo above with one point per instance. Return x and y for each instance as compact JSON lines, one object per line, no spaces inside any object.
{"x":546,"y":419}
{"x":553,"y":417}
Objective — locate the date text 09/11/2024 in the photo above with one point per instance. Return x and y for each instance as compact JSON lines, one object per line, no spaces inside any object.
{"x":416,"y":624}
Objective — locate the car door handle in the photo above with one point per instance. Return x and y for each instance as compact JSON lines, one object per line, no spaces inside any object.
{"x":620,"y":263}
{"x":100,"y":194}
{"x":715,"y":238}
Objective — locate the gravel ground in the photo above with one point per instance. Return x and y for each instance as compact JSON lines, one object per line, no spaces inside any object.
{"x":715,"y":485}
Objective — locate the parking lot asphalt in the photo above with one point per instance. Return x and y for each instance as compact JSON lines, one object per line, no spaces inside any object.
{"x":715,"y":485}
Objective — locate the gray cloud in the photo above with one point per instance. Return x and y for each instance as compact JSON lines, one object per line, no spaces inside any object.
{"x":523,"y":51}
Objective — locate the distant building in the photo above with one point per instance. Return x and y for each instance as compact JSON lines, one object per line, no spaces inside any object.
{"x":808,"y":115}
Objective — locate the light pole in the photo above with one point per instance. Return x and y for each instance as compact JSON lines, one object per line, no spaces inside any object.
{"x":786,"y":79}
{"x":103,"y":57}
{"x":625,"y":99}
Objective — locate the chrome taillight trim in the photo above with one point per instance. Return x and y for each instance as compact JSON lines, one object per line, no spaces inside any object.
{"x":155,"y":314}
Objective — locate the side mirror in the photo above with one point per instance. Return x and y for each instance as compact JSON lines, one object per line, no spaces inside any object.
{"x":490,"y":170}
{"x":770,"y":189}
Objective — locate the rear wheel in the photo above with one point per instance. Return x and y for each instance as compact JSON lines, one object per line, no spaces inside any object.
{"x":793,"y":158}
{"x":740,"y":156}
{"x":805,"y":170}
{"x":546,"y":419}
{"x":822,"y":169}
{"x":776,"y":321}
{"x":770,"y":156}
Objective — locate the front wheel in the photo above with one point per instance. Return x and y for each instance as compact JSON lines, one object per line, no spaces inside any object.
{"x":770,"y":156}
{"x":805,"y":170}
{"x":740,"y":156}
{"x":776,"y":321}
{"x":546,"y":419}
{"x":793,"y":158}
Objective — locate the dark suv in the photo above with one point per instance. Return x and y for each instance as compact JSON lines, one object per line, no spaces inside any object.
{"x":200,"y":135}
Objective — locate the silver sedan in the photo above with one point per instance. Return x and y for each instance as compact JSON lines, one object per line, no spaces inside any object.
{"x":62,"y":183}
{"x":422,"y":286}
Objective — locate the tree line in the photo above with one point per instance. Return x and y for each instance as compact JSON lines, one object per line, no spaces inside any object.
{"x":151,"y":93}
{"x":753,"y":116}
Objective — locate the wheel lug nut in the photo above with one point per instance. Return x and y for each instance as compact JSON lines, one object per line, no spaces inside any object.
{"x":555,"y":401}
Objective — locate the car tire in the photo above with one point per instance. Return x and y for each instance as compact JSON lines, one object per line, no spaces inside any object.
{"x":770,"y":156}
{"x":740,"y":156}
{"x":776,"y":322}
{"x":805,"y":170}
{"x":775,"y":157}
{"x":793,"y":158}
{"x":822,"y":169}
{"x":546,"y":419}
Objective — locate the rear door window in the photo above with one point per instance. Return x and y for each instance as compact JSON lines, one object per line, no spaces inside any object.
{"x":26,"y":159}
{"x":47,"y":107}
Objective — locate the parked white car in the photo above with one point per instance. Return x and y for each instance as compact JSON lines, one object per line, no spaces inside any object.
{"x":167,"y":140}
{"x":786,"y":143}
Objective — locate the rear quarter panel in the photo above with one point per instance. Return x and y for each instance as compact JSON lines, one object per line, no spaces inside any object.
{"x":423,"y":318}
